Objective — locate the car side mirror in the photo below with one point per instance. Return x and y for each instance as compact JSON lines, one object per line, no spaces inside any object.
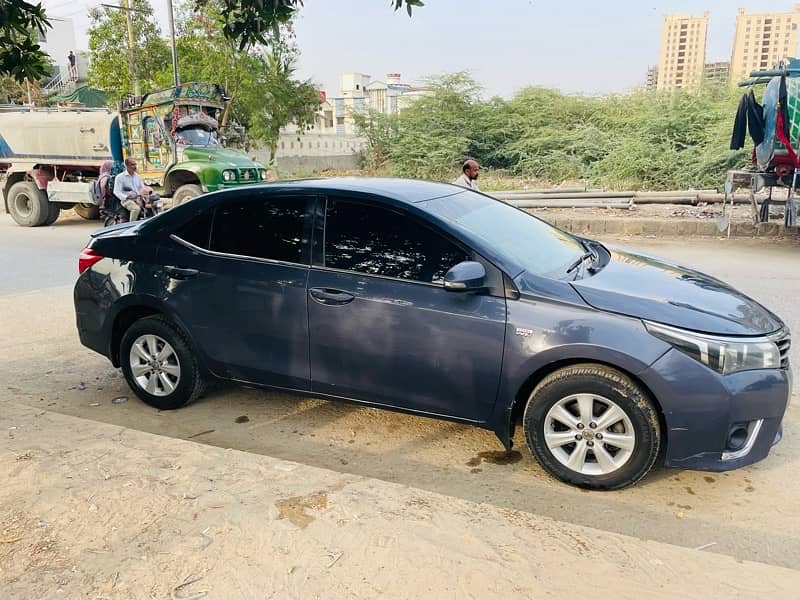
{"x":467,"y":276}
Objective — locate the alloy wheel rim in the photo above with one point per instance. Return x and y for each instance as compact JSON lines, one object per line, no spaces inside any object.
{"x":154,"y":365}
{"x":589,"y":434}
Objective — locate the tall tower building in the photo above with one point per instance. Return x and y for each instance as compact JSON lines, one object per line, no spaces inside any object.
{"x":762,"y":39}
{"x":683,"y":51}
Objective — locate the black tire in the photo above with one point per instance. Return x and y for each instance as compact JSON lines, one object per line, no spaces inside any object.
{"x":608,"y":387}
{"x":28,"y":204}
{"x":190,"y":384}
{"x":186,"y":192}
{"x":109,"y":220}
{"x":90,"y":212}
{"x":52,"y":213}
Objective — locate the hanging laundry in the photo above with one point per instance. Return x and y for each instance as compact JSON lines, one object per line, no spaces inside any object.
{"x":749,"y":117}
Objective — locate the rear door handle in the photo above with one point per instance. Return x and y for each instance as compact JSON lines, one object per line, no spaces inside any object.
{"x":330,"y":296}
{"x":180,"y":272}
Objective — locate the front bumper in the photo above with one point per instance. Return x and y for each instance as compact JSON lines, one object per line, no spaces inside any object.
{"x":701,"y":408}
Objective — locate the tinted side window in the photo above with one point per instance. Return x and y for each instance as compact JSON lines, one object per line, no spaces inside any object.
{"x":198,"y":230}
{"x":374,"y":240}
{"x":261,"y":227}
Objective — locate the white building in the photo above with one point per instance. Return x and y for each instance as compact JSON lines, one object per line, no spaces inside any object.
{"x":358,"y":94}
{"x":57,"y":43}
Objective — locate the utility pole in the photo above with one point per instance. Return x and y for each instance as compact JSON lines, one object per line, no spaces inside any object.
{"x":131,"y":50}
{"x":131,"y":47}
{"x":175,"y":77}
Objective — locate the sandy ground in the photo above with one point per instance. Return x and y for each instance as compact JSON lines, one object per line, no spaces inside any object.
{"x":93,"y":505}
{"x":97,"y":511}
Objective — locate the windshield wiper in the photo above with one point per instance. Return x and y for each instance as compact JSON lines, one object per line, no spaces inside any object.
{"x":579,"y":261}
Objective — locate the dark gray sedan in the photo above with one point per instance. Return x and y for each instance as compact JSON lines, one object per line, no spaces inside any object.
{"x":443,"y":302}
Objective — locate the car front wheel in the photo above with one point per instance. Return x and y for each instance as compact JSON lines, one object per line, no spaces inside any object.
{"x":159,"y":364}
{"x":591,"y":426}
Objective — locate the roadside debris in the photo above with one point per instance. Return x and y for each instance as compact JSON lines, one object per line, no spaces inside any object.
{"x":243,"y":419}
{"x":704,"y":546}
{"x":119,"y":400}
{"x":179,"y":592}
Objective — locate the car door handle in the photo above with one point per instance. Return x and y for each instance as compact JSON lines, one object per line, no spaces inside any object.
{"x":180,"y":272}
{"x":329,"y":296}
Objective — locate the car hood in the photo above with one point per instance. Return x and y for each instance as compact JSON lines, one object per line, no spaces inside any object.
{"x":228,"y":158}
{"x":653,"y":288}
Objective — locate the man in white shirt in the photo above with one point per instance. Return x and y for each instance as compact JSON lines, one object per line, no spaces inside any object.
{"x":128,"y":188}
{"x":469,"y":175}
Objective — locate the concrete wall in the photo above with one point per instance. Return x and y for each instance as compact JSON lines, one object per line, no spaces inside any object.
{"x":314,"y":152}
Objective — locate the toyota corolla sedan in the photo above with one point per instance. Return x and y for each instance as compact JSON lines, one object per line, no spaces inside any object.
{"x":442,"y":302}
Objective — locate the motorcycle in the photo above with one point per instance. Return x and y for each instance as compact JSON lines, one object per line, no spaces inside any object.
{"x":150,"y":206}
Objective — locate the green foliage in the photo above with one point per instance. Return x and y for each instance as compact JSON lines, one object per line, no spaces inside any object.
{"x":108,"y":46}
{"x":646,"y":140}
{"x":244,"y":23}
{"x":251,"y":22}
{"x":277,"y":99}
{"x":21,"y":57}
{"x":259,"y":80}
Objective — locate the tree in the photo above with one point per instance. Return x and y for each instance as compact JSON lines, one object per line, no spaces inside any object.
{"x":278,"y":99}
{"x":246,"y":22}
{"x":108,"y":46}
{"x":259,"y":80}
{"x":251,"y":22}
{"x":21,"y":24}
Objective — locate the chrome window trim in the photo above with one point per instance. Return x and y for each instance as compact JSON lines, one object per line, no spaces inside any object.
{"x":215,"y":254}
{"x":374,"y":276}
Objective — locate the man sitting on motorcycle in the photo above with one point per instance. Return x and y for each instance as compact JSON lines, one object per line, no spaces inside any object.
{"x":133,"y":194}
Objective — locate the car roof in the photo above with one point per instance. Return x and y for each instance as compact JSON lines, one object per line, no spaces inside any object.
{"x":403,"y":190}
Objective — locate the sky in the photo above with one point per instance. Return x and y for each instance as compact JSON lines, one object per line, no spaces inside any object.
{"x":577,"y":46}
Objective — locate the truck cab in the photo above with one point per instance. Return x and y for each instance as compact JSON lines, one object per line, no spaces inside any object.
{"x":174,"y":136}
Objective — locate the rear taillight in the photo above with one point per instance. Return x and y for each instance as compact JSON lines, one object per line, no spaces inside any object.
{"x":87,"y":258}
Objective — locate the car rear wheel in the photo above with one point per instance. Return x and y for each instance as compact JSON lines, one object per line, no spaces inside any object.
{"x":591,"y":426}
{"x":159,"y":364}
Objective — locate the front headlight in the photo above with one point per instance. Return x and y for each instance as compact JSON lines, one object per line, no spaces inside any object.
{"x":228,"y":175}
{"x":723,"y":354}
{"x":262,"y":173}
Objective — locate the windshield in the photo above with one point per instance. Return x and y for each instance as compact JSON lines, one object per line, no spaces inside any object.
{"x":196,"y":136}
{"x":538,"y":247}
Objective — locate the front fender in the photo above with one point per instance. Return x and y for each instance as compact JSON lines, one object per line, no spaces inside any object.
{"x":542,"y":335}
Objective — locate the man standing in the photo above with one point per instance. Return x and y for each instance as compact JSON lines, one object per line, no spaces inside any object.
{"x":128,"y":187}
{"x":73,"y":71}
{"x":469,"y":175}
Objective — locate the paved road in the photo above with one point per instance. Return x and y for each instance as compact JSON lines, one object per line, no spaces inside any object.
{"x":749,"y":514}
{"x":34,"y":258}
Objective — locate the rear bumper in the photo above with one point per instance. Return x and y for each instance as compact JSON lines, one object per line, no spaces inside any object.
{"x":90,"y":316}
{"x":702,"y":408}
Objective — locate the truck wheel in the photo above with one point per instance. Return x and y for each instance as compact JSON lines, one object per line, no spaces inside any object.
{"x":53,"y":211}
{"x":186,"y":192}
{"x":90,"y":212}
{"x":27,"y":204}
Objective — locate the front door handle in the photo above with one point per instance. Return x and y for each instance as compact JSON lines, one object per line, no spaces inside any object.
{"x":180,"y":272}
{"x":330,"y":296}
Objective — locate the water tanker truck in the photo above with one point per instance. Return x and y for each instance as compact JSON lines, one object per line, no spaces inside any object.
{"x":49,"y":157}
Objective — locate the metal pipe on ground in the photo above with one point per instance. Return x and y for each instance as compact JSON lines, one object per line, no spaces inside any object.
{"x":566,"y":204}
{"x":532,"y":196}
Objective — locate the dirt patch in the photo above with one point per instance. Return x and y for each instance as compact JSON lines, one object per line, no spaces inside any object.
{"x":495,"y":458}
{"x":294,"y":509}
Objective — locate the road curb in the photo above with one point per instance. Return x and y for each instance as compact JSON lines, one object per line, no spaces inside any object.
{"x":667,"y":227}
